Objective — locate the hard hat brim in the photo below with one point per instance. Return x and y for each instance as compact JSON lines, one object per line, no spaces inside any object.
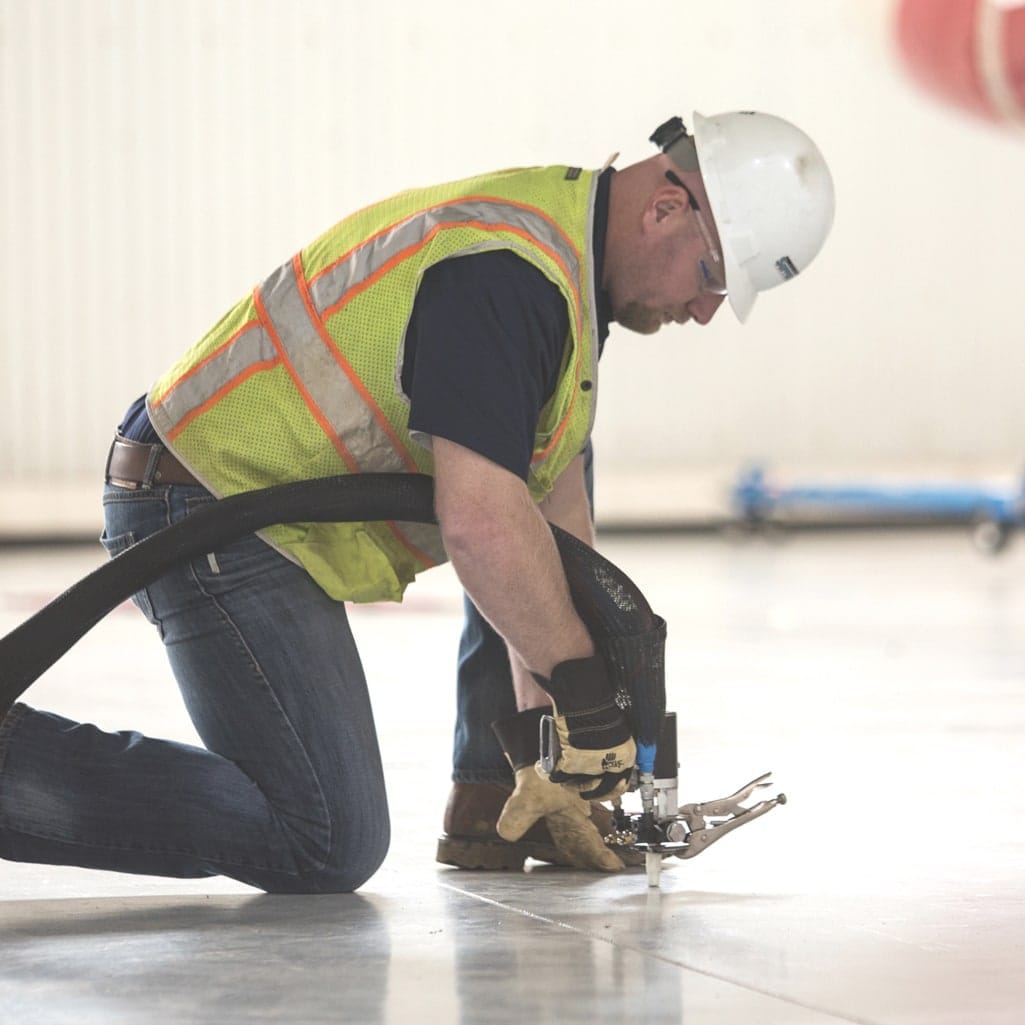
{"x":740,"y":292}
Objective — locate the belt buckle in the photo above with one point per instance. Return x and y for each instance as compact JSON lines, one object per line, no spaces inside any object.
{"x":132,"y":485}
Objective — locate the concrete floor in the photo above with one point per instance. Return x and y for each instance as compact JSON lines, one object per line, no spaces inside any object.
{"x":881,"y":677}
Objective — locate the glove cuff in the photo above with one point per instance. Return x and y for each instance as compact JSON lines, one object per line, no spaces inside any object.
{"x":578,"y":683}
{"x":520,"y":736}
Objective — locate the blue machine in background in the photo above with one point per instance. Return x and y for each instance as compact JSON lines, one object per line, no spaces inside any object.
{"x":992,"y":512}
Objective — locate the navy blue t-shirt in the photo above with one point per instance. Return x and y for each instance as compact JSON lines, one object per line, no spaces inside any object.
{"x":483,"y":350}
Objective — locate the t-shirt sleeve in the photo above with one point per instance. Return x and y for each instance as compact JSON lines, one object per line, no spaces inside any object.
{"x":483,"y":351}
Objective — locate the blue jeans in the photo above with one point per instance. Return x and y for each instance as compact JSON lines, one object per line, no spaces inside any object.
{"x":484,"y":689}
{"x":288,"y":794}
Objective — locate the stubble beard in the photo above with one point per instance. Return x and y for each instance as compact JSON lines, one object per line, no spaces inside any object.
{"x":637,"y":318}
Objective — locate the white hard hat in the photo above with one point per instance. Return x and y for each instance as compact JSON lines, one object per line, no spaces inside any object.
{"x":770,"y":192}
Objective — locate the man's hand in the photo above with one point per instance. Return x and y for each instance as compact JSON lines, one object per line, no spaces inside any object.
{"x":567,"y":816}
{"x":597,"y":747}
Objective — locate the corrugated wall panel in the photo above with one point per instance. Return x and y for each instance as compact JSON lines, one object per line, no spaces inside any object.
{"x":157,"y":157}
{"x":153,"y":170}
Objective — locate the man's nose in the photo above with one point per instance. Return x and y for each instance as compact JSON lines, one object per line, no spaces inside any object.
{"x":704,"y":307}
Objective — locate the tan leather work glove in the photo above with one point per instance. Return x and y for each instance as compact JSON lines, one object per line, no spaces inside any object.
{"x":565,"y":813}
{"x":567,"y":816}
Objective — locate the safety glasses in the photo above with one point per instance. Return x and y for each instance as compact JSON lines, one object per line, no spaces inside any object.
{"x":713,"y":273}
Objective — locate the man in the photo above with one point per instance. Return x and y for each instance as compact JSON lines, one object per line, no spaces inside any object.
{"x":759,"y":235}
{"x":454,"y":331}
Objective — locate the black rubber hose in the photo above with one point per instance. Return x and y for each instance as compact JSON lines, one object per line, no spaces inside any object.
{"x":610,"y":605}
{"x":626,"y":631}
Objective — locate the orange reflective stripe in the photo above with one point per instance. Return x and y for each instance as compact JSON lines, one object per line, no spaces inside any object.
{"x":218,"y":395}
{"x":552,"y":229}
{"x":399,"y":258}
{"x":429,"y":561}
{"x":246,"y":352}
{"x":159,"y":401}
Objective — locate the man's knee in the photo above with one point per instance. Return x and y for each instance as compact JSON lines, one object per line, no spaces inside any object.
{"x":354,"y":857}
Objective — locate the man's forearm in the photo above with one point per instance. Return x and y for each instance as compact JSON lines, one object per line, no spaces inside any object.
{"x":506,"y":558}
{"x":568,"y":507}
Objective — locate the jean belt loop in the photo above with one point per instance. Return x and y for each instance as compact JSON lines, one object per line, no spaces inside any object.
{"x":155,"y":452}
{"x":110,"y":455}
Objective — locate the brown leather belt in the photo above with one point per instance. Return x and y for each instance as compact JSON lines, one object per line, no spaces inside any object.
{"x":132,"y":464}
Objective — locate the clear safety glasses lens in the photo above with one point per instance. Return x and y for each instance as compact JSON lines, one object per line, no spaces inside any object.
{"x":713,"y":273}
{"x":712,"y":281}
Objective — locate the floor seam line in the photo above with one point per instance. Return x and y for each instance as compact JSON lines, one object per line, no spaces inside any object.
{"x":656,"y":957}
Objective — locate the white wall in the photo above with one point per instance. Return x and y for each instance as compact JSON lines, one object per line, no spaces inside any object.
{"x":160,"y":156}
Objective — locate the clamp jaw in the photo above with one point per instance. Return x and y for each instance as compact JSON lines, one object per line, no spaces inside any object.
{"x":726,"y":814}
{"x":693,"y":828}
{"x":662,"y":829}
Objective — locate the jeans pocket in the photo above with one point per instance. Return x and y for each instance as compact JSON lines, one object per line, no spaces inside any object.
{"x":245,"y":561}
{"x":115,"y":546}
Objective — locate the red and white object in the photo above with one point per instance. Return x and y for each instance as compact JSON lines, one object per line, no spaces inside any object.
{"x":968,"y":52}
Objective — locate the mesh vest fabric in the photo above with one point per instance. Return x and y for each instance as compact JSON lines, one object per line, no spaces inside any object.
{"x":302,"y":378}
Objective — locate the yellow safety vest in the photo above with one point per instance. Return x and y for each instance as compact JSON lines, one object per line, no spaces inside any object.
{"x":302,"y":378}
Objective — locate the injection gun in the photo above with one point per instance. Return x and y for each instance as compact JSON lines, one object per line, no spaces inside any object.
{"x":662,"y":828}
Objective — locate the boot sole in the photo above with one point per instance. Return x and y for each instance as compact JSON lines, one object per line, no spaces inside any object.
{"x":499,"y":855}
{"x":493,"y":855}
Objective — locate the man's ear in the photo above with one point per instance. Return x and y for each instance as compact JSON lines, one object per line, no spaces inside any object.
{"x":662,"y":204}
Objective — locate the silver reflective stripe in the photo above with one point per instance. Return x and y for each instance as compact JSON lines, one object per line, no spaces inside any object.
{"x":358,"y":267}
{"x":340,"y":407}
{"x":250,"y":347}
{"x":331,"y":395}
{"x":422,"y":537}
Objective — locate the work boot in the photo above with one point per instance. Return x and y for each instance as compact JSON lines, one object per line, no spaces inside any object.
{"x":472,"y":841}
